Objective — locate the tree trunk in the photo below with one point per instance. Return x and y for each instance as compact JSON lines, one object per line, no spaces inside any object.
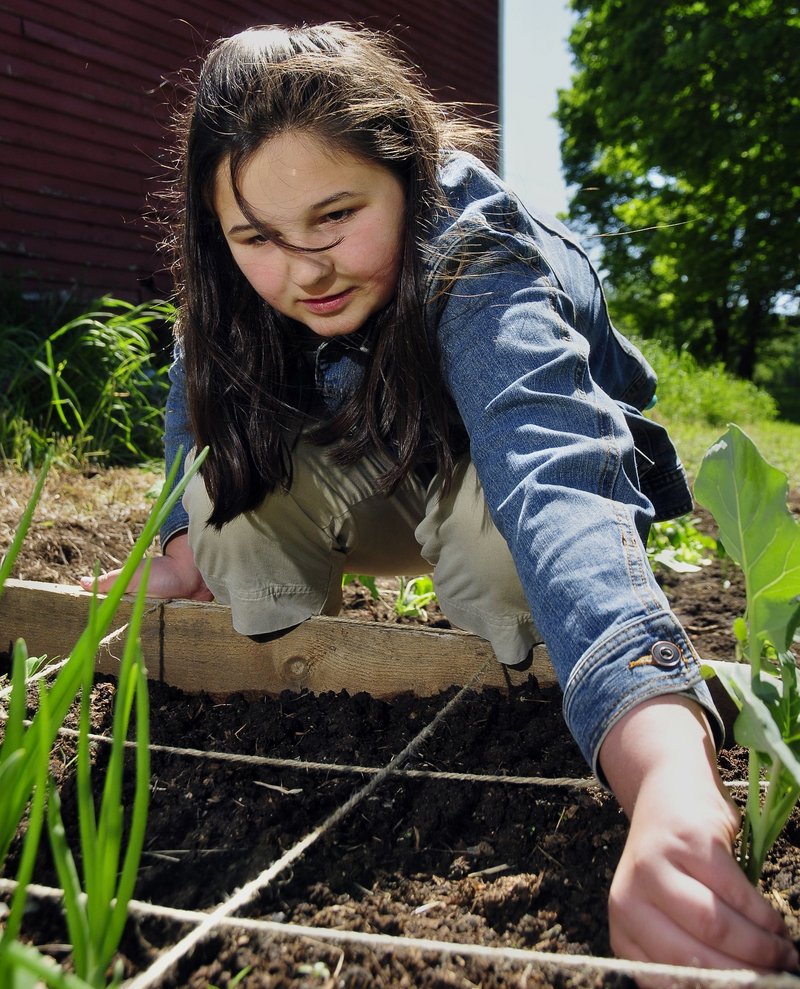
{"x":721,"y":322}
{"x":753,"y":323}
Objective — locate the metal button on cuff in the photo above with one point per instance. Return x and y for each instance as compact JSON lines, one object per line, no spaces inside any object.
{"x":666,"y":655}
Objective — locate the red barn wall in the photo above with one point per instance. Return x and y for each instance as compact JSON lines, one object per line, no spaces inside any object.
{"x":85,"y":90}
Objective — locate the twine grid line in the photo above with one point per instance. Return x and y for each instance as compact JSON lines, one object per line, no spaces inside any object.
{"x":708,"y":978}
{"x":242,"y":896}
{"x":221,"y":915}
{"x":212,"y":755}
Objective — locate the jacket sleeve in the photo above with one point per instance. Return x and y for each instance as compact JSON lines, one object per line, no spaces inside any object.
{"x":557,"y":464}
{"x":178,"y":440}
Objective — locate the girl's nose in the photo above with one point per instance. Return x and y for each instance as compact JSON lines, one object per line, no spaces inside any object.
{"x":306,"y":270}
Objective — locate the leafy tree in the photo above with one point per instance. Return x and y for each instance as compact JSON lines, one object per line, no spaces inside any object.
{"x":683,"y":122}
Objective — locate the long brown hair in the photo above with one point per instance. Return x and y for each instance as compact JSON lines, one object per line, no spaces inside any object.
{"x":349,"y":88}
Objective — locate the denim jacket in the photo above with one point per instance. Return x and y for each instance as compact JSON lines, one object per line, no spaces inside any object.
{"x":550,"y":396}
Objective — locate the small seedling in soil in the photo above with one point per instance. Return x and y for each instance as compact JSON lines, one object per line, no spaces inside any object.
{"x":679,"y":546}
{"x":236,"y":979}
{"x":414,"y":595}
{"x":747,"y":497}
{"x":365,"y":580}
{"x":319,"y":970}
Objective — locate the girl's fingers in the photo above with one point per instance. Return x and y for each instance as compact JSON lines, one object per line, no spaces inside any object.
{"x":203,"y":594}
{"x":727,"y":936}
{"x":167,"y":580}
{"x":105,"y":581}
{"x":702,"y":913}
{"x":659,"y":939}
{"x":720,"y":873}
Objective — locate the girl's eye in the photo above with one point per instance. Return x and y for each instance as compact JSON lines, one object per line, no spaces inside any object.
{"x":257,"y":239}
{"x":337,"y":215}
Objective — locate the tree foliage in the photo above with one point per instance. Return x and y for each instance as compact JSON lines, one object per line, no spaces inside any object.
{"x":683,"y":122}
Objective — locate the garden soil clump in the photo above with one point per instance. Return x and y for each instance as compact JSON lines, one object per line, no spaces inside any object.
{"x":488,"y":862}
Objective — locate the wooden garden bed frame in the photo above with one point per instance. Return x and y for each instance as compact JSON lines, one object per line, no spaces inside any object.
{"x":192,"y":646}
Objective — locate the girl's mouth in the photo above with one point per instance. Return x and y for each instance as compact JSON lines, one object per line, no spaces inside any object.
{"x":328,"y":303}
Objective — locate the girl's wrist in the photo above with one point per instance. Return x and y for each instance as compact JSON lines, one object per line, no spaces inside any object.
{"x":664,"y":742}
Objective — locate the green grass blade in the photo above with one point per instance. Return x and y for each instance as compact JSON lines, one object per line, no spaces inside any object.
{"x":112,"y":812}
{"x":106,"y":895}
{"x":7,"y":768}
{"x":161,"y":509}
{"x":54,"y":376}
{"x":17,"y":703}
{"x":16,"y":758}
{"x":18,"y":956}
{"x":19,"y":978}
{"x":94,"y":370}
{"x":87,"y":823}
{"x":30,"y":846}
{"x":141,"y":800}
{"x":24,"y":524}
{"x":74,"y":909}
{"x":67,"y":683}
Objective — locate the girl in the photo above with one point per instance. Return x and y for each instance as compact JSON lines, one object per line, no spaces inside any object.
{"x":399,"y":368}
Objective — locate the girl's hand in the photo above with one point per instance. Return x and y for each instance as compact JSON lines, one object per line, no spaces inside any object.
{"x":678,"y":896}
{"x":172,"y":575}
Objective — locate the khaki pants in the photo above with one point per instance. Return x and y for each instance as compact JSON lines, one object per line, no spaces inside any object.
{"x":283,"y":562}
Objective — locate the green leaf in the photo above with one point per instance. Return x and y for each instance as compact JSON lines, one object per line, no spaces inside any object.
{"x":17,"y":704}
{"x":679,"y":546}
{"x":758,"y":702}
{"x":366,"y":580}
{"x":747,"y":497}
{"x":22,"y":978}
{"x":414,"y":595}
{"x":16,"y":957}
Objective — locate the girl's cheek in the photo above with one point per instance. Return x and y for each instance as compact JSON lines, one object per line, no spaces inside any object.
{"x":261,"y":279}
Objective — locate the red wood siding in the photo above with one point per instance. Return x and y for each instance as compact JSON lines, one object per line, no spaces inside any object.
{"x":84,"y":95}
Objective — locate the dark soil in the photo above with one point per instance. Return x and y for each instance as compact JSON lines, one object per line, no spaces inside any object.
{"x":488,"y":863}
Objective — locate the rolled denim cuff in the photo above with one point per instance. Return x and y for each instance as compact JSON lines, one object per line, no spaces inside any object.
{"x":646,"y":658}
{"x":176,"y":524}
{"x":178,"y":519}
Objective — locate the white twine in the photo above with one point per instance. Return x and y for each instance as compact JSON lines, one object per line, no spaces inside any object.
{"x":680,"y":974}
{"x":211,"y":755}
{"x":165,"y":962}
{"x":277,"y":763}
{"x":221,"y":915}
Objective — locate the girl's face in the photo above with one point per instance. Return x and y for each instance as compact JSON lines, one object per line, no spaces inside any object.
{"x":308,"y":197}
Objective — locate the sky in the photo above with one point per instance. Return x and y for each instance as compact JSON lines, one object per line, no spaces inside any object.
{"x":535,"y":63}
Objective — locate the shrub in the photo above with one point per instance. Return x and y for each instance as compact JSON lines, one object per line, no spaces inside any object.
{"x":92,"y":388}
{"x":689,"y":392}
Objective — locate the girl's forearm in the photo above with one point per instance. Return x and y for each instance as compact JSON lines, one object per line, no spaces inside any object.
{"x":667,"y":736}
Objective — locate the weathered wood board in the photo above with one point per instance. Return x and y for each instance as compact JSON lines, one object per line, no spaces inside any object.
{"x":193,"y":646}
